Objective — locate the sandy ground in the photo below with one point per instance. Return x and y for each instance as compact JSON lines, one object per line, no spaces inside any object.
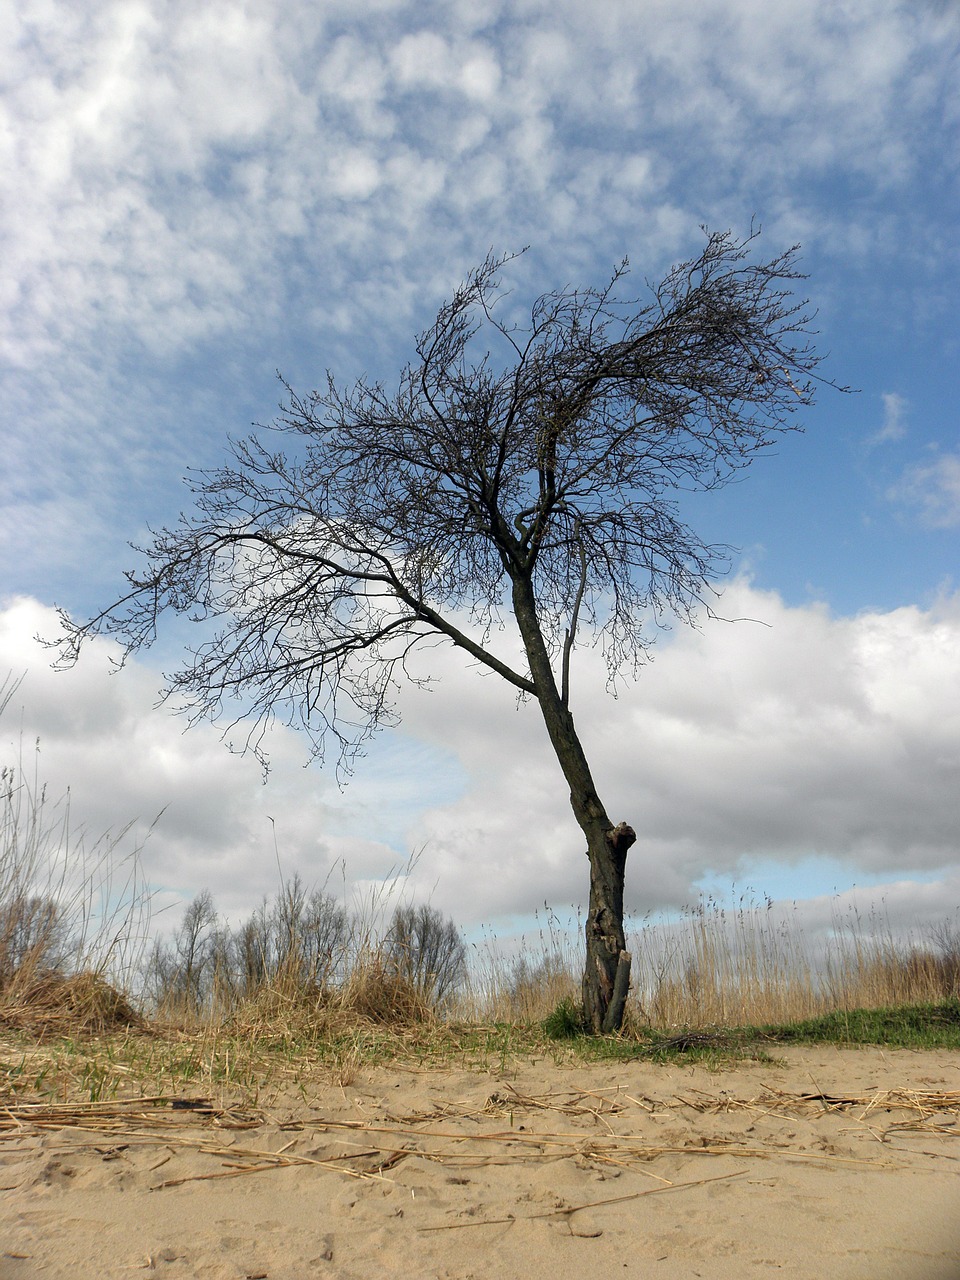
{"x":833,"y":1163}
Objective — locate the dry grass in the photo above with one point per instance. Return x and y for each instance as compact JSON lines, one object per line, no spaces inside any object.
{"x":49,"y":1004}
{"x":708,"y":971}
{"x":73,"y":913}
{"x":599,"y":1129}
{"x":711,"y":969}
{"x":756,"y":965}
{"x":722,"y":967}
{"x":375,"y":993}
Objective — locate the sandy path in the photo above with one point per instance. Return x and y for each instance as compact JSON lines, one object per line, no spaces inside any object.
{"x":677,"y":1172}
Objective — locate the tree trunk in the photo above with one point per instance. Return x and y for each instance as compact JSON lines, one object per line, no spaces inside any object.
{"x":606,"y":975}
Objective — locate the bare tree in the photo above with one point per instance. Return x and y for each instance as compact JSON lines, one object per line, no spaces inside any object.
{"x":181,"y":972}
{"x":247,"y":960}
{"x":526,"y":471}
{"x":327,"y":937}
{"x":426,"y":948}
{"x":308,"y":934}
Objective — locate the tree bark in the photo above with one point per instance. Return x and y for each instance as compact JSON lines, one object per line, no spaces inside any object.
{"x":607,"y":845}
{"x":606,"y":974}
{"x":613,"y":1018}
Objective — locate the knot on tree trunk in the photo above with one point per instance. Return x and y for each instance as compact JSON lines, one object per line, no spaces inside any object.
{"x":620,"y":838}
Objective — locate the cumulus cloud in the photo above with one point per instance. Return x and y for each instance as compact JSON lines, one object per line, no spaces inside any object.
{"x":809,"y":735}
{"x":100,"y":735}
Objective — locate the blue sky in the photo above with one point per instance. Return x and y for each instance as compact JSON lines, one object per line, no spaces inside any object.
{"x":200,"y":194}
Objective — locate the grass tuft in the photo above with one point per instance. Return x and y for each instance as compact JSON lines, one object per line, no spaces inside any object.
{"x":565,"y":1022}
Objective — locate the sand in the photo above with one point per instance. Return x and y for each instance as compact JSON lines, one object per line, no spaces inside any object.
{"x":832,"y":1163}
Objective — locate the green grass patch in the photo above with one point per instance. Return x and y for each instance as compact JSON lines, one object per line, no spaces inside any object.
{"x":920,"y":1026}
{"x":916,"y":1026}
{"x":715,"y":1049}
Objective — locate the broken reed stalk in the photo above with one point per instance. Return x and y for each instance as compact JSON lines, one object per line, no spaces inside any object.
{"x":568,"y":1210}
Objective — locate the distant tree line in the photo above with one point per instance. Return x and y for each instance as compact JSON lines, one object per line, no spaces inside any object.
{"x":302,"y":940}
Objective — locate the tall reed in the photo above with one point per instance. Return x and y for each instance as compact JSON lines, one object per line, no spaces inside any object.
{"x":746,"y":962}
{"x":68,"y":905}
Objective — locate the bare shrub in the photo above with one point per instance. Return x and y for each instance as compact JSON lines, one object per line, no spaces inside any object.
{"x":309,"y":935}
{"x":295,"y":945}
{"x":180,"y":972}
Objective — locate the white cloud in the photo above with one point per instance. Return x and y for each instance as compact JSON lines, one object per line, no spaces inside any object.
{"x":812,"y":735}
{"x":893,"y":427}
{"x":356,"y":176}
{"x":423,"y":60}
{"x":128,"y":125}
{"x":480,"y":76}
{"x":123,"y":760}
{"x":933,"y":490}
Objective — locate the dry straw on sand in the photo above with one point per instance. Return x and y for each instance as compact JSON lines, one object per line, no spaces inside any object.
{"x":421,"y":1171}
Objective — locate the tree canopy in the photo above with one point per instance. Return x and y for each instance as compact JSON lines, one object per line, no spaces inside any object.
{"x":551,"y":451}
